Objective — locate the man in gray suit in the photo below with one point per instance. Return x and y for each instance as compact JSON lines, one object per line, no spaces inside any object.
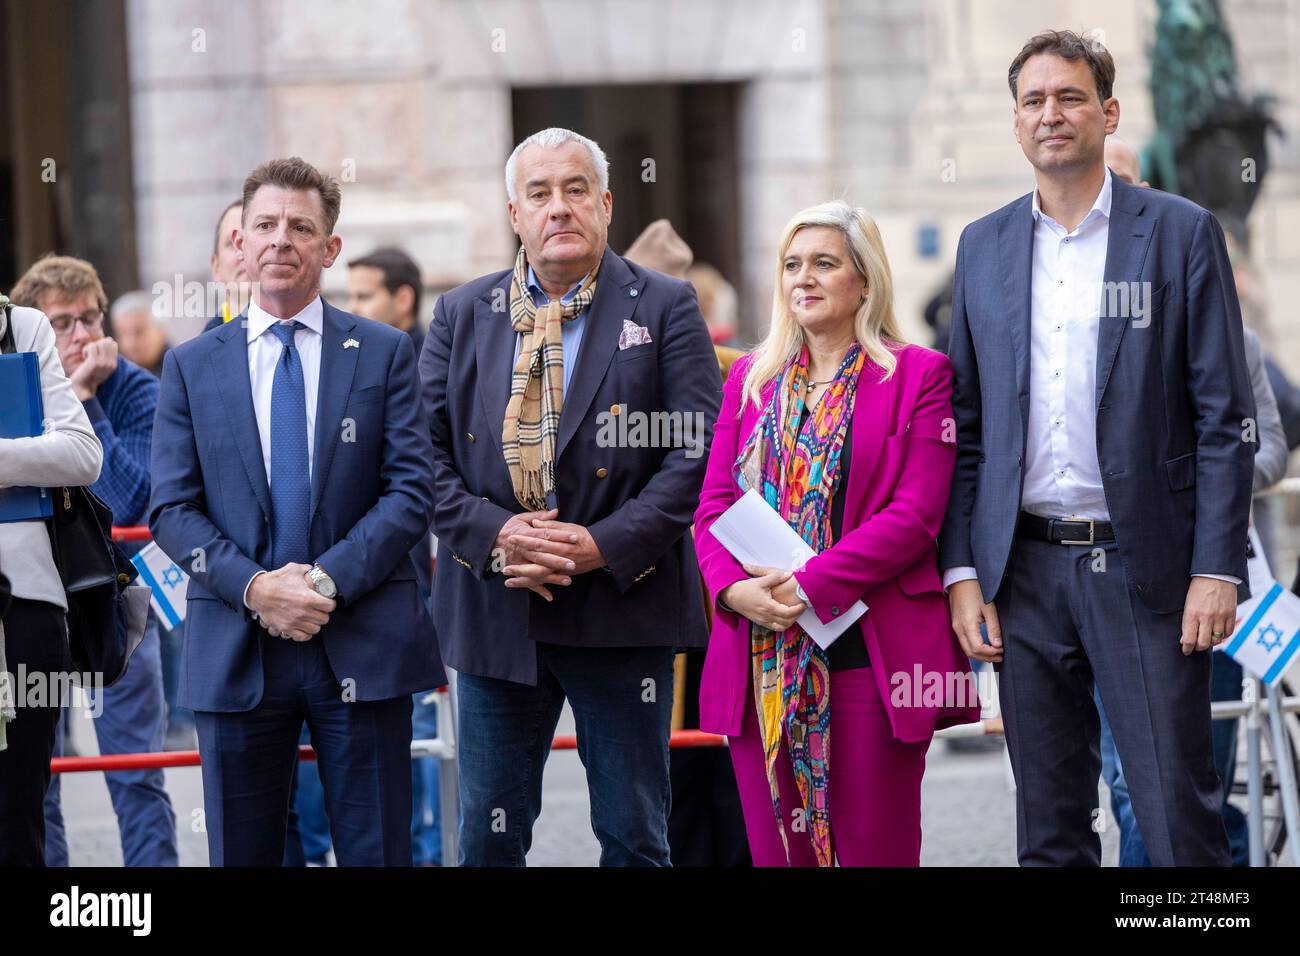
{"x":1096,"y":531}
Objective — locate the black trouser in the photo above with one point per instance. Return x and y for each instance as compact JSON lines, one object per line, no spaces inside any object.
{"x":706,"y":826}
{"x":36,"y":636}
{"x":1070,"y":617}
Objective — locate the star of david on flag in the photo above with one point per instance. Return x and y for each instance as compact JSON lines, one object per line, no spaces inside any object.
{"x":1267,"y":636}
{"x":167,"y":584}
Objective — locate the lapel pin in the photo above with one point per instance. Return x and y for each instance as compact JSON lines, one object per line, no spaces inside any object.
{"x":352,"y":344}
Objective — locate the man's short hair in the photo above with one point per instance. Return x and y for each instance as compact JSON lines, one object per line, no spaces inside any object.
{"x":64,"y":276}
{"x":296,"y":173}
{"x":554,"y":138}
{"x":1068,"y":45}
{"x":216,"y":238}
{"x":398,"y":270}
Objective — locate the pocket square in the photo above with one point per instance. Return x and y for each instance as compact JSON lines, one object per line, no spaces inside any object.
{"x":633,"y":334}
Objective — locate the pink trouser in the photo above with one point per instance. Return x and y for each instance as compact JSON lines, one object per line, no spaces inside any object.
{"x":874,"y":786}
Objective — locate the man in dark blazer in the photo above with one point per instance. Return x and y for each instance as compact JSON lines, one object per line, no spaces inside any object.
{"x":1105,"y":424}
{"x":565,"y":564}
{"x":291,"y":478}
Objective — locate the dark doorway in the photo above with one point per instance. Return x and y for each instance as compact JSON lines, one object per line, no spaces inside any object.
{"x":688,"y":132}
{"x":65,"y":138}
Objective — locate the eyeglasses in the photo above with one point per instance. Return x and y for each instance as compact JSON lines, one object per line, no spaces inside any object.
{"x":64,"y":324}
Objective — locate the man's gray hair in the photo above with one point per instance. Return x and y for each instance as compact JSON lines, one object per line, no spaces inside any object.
{"x":137,"y":301}
{"x":553,"y":138}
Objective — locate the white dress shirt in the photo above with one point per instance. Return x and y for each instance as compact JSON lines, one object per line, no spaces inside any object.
{"x":264,"y":352}
{"x":1062,"y":474}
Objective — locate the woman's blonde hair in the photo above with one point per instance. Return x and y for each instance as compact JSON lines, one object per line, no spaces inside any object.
{"x":874,"y":325}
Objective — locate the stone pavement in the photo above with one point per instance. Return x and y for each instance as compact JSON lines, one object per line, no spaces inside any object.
{"x":968,"y":811}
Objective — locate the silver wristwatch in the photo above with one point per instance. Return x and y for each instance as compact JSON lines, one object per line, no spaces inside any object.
{"x":803,"y":596}
{"x":322,"y":582}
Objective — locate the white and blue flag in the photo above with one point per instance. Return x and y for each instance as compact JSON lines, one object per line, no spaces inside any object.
{"x":166,"y":581}
{"x":1267,"y":636}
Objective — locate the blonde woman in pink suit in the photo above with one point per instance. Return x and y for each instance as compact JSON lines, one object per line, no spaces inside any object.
{"x":848,"y":433}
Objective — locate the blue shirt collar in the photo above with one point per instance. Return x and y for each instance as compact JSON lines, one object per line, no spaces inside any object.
{"x":539,"y":294}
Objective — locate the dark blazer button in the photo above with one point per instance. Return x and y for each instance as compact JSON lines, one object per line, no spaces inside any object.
{"x":616,"y":409}
{"x":835,"y":611}
{"x":471,"y":436}
{"x":601,"y":472}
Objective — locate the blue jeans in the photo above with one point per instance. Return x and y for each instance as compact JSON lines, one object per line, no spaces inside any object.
{"x":1225,"y":684}
{"x":1132,"y":851}
{"x":426,"y":808}
{"x":622,"y":702}
{"x":133,"y":719}
{"x":177,"y":716}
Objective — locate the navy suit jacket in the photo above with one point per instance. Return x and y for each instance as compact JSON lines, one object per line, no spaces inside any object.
{"x":1172,"y":396}
{"x":637,"y":502}
{"x":371,"y":491}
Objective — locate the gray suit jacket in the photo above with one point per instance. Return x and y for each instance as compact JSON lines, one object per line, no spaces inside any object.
{"x":1271,"y":458}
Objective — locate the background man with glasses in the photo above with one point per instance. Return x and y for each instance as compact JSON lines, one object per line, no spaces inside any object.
{"x":120,"y":399}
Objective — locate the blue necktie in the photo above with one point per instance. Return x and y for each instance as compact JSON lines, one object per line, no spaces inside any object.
{"x":290,"y":473}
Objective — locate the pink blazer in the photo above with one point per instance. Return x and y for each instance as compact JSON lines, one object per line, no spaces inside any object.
{"x":904,"y":449}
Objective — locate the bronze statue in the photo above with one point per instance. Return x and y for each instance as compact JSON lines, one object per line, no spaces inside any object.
{"x":1210,"y":142}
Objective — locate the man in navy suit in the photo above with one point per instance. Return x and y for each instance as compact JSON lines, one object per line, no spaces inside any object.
{"x":1096,"y":531}
{"x":565,"y":564}
{"x":291,"y":479}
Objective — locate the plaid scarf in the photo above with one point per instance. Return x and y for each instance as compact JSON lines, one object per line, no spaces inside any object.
{"x":532,"y":421}
{"x":793,"y":461}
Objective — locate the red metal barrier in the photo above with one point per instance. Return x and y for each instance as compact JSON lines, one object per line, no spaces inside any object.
{"x":679,"y":738}
{"x":149,"y":761}
{"x":190,"y":758}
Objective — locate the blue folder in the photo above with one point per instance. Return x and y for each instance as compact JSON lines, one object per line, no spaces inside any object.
{"x":21,"y":415}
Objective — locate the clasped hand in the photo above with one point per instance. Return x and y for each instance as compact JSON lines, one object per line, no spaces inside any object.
{"x":287,"y":605}
{"x":540,"y":551}
{"x":768,"y":598}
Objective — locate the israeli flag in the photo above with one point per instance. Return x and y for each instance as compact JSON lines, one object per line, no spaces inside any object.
{"x":166,"y":581}
{"x":1267,"y":641}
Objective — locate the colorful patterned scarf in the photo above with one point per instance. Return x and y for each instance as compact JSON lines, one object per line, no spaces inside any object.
{"x":532,"y":422}
{"x":796,"y":469}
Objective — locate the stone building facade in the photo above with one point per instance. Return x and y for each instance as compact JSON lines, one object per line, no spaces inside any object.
{"x":900,"y":106}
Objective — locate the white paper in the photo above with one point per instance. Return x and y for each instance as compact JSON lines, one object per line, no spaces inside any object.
{"x":756,"y":535}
